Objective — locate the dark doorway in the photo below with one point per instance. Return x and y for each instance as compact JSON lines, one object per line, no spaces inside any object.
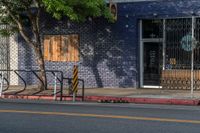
{"x":152,"y":63}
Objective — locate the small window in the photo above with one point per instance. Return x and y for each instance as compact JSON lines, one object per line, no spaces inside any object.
{"x":61,"y":48}
{"x":152,"y":28}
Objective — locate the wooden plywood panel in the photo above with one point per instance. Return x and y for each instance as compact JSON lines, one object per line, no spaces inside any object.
{"x":51,"y":49}
{"x":61,"y":48}
{"x":72,"y":47}
{"x":47,"y":41}
{"x":76,"y":47}
{"x":56,"y":48}
{"x":64,"y":48}
{"x":69,"y":49}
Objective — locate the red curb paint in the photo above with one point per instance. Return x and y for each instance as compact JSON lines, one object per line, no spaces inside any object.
{"x":184,"y":102}
{"x":152,"y":100}
{"x":97,"y":98}
{"x":147,"y":100}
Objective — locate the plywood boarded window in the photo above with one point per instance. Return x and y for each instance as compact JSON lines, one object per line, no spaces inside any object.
{"x":61,"y":48}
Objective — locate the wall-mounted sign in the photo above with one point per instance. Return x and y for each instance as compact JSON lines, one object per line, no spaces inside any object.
{"x":186,"y":43}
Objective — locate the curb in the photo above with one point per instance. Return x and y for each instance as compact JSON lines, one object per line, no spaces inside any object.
{"x":110,"y":99}
{"x":166,"y":101}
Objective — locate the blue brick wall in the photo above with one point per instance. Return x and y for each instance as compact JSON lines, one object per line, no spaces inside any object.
{"x":109,"y":52}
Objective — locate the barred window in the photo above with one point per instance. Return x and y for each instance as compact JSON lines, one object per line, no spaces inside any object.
{"x":61,"y":48}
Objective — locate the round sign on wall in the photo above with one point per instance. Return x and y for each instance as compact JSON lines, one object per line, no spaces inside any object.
{"x":186,"y":43}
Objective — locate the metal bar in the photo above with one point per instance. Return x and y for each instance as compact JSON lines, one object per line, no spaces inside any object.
{"x":61,"y":82}
{"x":192,"y":57}
{"x":34,"y":72}
{"x":53,"y":72}
{"x":74,"y":97}
{"x":25,"y":85}
{"x":55,"y":86}
{"x":8,"y":83}
{"x":141,"y":54}
{"x":54,"y":75}
{"x":69,"y":81}
{"x":164,"y":42}
{"x":56,"y":93}
{"x":61,"y":86}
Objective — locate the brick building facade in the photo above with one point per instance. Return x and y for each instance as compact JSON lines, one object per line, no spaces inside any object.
{"x":110,"y":53}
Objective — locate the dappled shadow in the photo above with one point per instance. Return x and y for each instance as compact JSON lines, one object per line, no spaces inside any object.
{"x":111,"y":59}
{"x":107,"y":51}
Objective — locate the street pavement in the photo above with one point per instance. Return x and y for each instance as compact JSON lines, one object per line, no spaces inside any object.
{"x":26,"y":116}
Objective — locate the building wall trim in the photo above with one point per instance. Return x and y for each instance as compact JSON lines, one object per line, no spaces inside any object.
{"x":126,"y":1}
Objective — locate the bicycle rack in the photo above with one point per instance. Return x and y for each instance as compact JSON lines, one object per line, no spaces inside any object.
{"x":5,"y":79}
{"x":53,"y":72}
{"x":47,"y":71}
{"x":60,"y":80}
{"x":25,"y":85}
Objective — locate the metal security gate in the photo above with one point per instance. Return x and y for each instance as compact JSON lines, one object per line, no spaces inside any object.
{"x":4,"y":53}
{"x":180,"y":47}
{"x":182,"y":54}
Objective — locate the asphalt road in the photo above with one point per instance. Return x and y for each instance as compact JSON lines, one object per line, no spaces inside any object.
{"x":20,"y":116}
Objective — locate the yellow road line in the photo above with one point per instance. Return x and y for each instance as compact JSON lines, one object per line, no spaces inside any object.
{"x":102,"y":116}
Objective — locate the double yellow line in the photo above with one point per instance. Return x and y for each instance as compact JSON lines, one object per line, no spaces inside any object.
{"x":102,"y":116}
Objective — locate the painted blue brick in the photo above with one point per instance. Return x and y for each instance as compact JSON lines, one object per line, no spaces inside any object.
{"x":109,"y":52}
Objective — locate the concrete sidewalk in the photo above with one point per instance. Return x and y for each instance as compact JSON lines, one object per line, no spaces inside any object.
{"x":143,"y":92}
{"x":131,"y":95}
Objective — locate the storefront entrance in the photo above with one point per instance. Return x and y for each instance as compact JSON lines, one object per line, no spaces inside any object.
{"x":151,"y":53}
{"x":152,"y":63}
{"x":170,"y":53}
